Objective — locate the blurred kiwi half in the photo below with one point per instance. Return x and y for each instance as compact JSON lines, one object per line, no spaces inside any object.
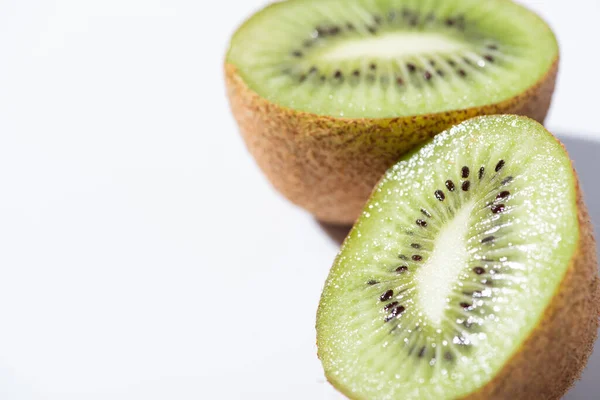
{"x":328,"y":94}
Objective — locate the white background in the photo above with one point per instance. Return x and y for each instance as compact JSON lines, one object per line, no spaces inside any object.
{"x":142,"y":253}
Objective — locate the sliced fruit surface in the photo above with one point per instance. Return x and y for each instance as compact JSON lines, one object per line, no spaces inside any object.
{"x":452,"y":264}
{"x":391,"y":58}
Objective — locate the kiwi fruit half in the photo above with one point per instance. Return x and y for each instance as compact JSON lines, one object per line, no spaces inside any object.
{"x":470,"y":274}
{"x":330,"y":93}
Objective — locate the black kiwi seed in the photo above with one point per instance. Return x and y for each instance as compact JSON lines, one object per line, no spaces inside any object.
{"x":391,"y":305}
{"x":372,"y":29}
{"x":479,"y":270}
{"x":465,"y":172}
{"x":411,"y":67}
{"x":450,"y":185}
{"x":334,"y":30}
{"x":417,"y":257}
{"x":399,"y":310}
{"x":356,"y":73}
{"x":462,"y":72}
{"x":440,"y":195}
{"x":387,"y":295}
{"x":487,"y":239}
{"x":432,"y":63}
{"x":399,"y":81}
{"x":395,"y":312}
{"x":452,"y":63}
{"x":489,"y":58}
{"x":372,"y":282}
{"x":338,"y":74}
{"x":502,"y":195}
{"x":422,"y":352}
{"x":402,"y":269}
{"x":506,"y":180}
{"x":427,"y":75}
{"x":500,"y":165}
{"x":465,"y":186}
{"x":421,"y":223}
{"x":450,"y":22}
{"x":481,"y":171}
{"x":415,"y":245}
{"x":297,"y":53}
{"x":498,"y":208}
{"x":425,"y":212}
{"x":373,"y":66}
{"x":465,"y":305}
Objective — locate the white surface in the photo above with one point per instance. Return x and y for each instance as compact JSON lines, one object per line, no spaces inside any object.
{"x":142,"y":253}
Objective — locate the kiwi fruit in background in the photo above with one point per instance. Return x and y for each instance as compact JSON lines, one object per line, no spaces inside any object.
{"x":328,"y":94}
{"x":470,"y":274}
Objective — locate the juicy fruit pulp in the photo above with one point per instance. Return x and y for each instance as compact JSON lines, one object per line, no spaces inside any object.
{"x":452,"y":264}
{"x":391,"y":58}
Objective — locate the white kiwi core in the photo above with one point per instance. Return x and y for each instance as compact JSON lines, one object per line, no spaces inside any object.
{"x":393,"y":45}
{"x":435,"y":280}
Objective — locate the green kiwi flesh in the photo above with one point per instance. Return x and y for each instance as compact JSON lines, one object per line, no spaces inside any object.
{"x":452,"y":264}
{"x":391,"y":58}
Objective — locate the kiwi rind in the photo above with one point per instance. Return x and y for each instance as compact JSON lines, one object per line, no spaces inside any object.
{"x":556,"y":351}
{"x":554,"y":355}
{"x":329,"y":165}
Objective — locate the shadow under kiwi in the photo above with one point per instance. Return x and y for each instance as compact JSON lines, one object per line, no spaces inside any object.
{"x":337,"y":233}
{"x":585,"y":154}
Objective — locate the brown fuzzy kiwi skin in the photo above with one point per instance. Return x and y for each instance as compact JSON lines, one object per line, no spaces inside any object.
{"x":329,"y":165}
{"x":555,"y":353}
